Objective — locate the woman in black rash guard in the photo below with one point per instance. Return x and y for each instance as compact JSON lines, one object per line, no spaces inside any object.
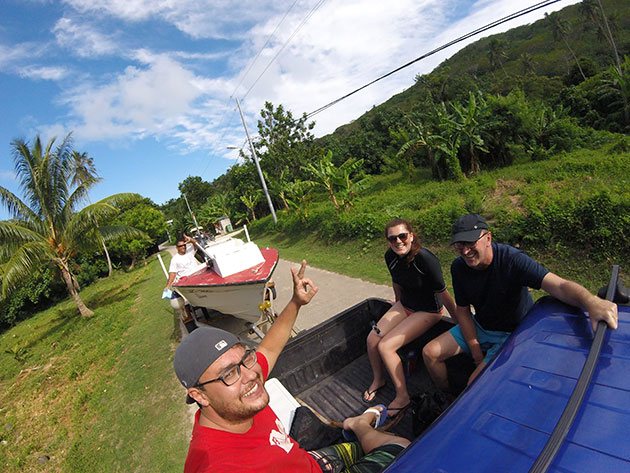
{"x":420,"y":295}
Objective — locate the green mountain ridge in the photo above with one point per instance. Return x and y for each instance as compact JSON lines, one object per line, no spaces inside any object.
{"x":470,"y":69}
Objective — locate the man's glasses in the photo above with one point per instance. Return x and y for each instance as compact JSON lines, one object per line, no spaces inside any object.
{"x":181,"y":246}
{"x":401,"y":236}
{"x":461,"y":245}
{"x":233,"y":374}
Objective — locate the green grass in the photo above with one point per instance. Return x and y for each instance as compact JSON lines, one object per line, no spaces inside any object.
{"x":351,"y":242}
{"x":95,"y":394}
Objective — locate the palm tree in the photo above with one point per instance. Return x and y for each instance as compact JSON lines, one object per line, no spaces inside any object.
{"x":497,"y":54}
{"x":560,"y":32}
{"x":469,"y":128}
{"x":593,"y":12}
{"x":449,"y":142}
{"x":85,"y":172}
{"x":46,"y":228}
{"x":298,"y":194}
{"x":324,"y":173}
{"x":615,"y":89}
{"x":250,"y":200}
{"x":216,"y":206}
{"x":278,"y":185}
{"x":422,"y":137}
{"x":527,"y":63}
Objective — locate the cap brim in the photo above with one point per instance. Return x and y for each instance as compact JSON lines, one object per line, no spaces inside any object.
{"x":468,"y":237}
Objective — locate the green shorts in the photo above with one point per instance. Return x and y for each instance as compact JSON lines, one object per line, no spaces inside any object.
{"x":348,"y":457}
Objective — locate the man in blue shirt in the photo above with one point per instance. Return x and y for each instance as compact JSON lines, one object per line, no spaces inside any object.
{"x":494,"y":278}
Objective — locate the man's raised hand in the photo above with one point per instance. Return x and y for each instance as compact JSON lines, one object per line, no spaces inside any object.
{"x":303,"y":288}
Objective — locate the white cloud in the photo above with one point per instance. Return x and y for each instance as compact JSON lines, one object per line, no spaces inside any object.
{"x":130,"y":10}
{"x":43,"y":72}
{"x":82,"y":38}
{"x":343,"y":46}
{"x":196,"y":18}
{"x":141,"y":101}
{"x":7,"y":176}
{"x":346,"y":45}
{"x":11,"y":54}
{"x":14,"y":55}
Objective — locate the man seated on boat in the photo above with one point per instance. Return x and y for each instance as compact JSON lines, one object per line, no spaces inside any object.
{"x":181,"y":262}
{"x":494,"y":278}
{"x":236,"y":431}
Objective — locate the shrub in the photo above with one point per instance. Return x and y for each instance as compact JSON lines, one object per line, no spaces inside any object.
{"x":40,"y":290}
{"x":89,"y":268}
{"x":436,"y":222}
{"x":599,"y":224}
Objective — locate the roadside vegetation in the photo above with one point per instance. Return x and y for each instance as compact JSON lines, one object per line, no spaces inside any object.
{"x":571,"y":212}
{"x":57,"y":238}
{"x":97,"y":393}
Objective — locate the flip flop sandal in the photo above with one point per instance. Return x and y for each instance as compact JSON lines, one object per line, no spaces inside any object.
{"x":368,"y":396}
{"x":381,"y":418}
{"x":398,"y":411}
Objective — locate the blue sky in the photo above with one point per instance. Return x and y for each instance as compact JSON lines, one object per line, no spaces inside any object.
{"x":145,"y":85}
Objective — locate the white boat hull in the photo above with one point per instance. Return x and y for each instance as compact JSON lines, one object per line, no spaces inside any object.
{"x":240,"y":301}
{"x":239,"y":294}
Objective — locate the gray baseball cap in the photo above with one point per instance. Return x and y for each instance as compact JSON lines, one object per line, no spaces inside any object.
{"x":197,"y":351}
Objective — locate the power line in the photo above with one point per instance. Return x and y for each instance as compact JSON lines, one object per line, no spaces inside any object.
{"x":299,"y":27}
{"x":242,"y":77}
{"x":251,"y":64}
{"x":440,"y":48}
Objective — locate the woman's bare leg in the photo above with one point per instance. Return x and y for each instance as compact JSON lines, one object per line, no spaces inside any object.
{"x":391,"y":319}
{"x":406,"y":331}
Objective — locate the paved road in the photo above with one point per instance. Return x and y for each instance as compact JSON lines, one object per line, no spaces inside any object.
{"x":336,"y":293}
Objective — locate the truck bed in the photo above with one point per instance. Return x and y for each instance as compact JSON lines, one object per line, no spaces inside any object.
{"x":327,"y":367}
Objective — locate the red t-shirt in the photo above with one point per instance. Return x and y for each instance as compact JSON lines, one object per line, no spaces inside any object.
{"x":266,"y":447}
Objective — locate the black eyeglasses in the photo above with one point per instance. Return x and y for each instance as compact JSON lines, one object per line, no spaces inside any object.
{"x":402,"y":236}
{"x":233,"y":374}
{"x":181,"y":246}
{"x":460,"y":245}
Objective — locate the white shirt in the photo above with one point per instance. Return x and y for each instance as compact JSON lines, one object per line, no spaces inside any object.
{"x":181,"y":263}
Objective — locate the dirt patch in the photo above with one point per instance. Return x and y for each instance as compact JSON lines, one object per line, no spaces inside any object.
{"x":508,"y":190}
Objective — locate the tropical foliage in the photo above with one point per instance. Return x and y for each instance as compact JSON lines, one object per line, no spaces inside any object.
{"x":527,"y":94}
{"x":47,"y":226}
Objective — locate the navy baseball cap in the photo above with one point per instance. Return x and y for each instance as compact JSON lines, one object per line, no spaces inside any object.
{"x":202,"y":347}
{"x":468,"y":228}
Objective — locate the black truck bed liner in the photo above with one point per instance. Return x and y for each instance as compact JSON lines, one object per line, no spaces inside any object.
{"x":327,"y":366}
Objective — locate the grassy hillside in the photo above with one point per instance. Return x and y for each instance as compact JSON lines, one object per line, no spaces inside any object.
{"x":95,"y":394}
{"x":572,"y":212}
{"x":551,"y":62}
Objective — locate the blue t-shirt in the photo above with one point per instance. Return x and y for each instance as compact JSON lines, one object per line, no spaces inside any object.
{"x":498,"y":293}
{"x":419,"y":281}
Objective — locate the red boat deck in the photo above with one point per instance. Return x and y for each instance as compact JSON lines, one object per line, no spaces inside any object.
{"x":256,"y":275}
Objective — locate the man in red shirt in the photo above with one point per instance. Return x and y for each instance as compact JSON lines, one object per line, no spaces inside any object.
{"x":236,"y":430}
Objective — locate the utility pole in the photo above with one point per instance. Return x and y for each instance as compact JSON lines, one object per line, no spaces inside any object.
{"x":191,"y":214}
{"x":255,"y":158}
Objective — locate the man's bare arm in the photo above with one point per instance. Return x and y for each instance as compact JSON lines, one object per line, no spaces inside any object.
{"x":278,"y":335}
{"x":573,"y":294}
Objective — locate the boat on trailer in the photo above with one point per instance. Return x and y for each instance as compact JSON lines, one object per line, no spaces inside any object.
{"x":235,"y":278}
{"x":538,"y":405}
